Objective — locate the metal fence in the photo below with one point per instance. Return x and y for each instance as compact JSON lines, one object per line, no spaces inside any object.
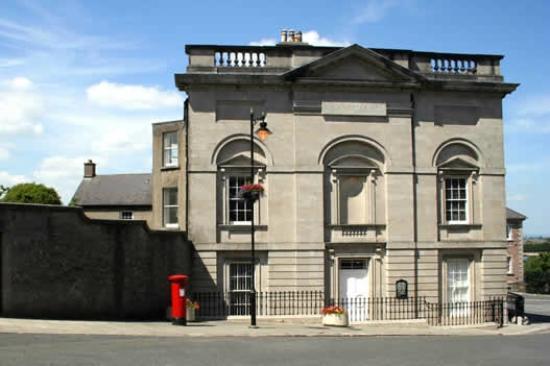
{"x":466,"y":313}
{"x":220,"y":305}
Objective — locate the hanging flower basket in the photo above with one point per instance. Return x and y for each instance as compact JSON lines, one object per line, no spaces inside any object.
{"x":251,"y":192}
{"x":334,"y":316}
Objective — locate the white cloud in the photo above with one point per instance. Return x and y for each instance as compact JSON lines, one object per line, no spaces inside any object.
{"x":131,"y":97}
{"x":11,"y":62}
{"x":7,"y":179}
{"x":374,"y":11}
{"x":264,"y":42}
{"x":517,"y":198}
{"x":532,"y":115}
{"x":312,"y":37}
{"x":21,"y":108}
{"x":62,"y":173}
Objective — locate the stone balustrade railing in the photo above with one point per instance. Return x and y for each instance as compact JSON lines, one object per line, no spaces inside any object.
{"x":283,"y":58}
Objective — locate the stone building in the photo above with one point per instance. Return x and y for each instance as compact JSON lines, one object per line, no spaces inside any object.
{"x":514,"y":237}
{"x":383,"y":165}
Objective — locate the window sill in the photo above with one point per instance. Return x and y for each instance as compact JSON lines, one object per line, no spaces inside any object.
{"x":460,"y":226}
{"x":168,"y":168}
{"x":241,"y":227}
{"x":355,"y":226}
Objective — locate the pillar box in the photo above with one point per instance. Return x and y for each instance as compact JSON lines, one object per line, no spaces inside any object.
{"x":178,"y":288}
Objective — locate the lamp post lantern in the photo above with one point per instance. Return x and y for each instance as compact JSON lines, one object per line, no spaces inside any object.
{"x":263,"y":132}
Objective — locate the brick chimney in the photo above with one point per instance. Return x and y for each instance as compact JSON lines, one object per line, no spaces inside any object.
{"x":89,"y":169}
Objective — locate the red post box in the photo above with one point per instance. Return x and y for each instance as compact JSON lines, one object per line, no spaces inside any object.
{"x":178,"y":288}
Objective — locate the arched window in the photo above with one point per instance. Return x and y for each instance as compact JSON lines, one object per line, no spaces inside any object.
{"x":458,"y":166}
{"x":233,"y":162}
{"x":354,"y":185}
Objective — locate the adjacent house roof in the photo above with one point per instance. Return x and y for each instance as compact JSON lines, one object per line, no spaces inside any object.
{"x":514,"y":215}
{"x":115,"y":190}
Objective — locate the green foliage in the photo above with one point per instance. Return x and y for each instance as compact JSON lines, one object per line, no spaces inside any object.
{"x":74,"y":202}
{"x":537,"y":274}
{"x":32,"y":193}
{"x":537,"y":247}
{"x":3,"y":191}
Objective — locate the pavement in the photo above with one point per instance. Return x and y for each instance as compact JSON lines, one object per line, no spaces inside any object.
{"x":537,"y":308}
{"x":266,"y":328}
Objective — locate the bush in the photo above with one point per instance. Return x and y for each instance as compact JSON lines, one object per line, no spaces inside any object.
{"x":537,"y":274}
{"x":32,"y":193}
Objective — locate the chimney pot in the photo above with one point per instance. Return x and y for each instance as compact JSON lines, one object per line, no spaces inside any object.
{"x":283,"y":35}
{"x":290,"y":36}
{"x":89,"y":169}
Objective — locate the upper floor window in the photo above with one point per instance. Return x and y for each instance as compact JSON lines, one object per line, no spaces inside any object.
{"x":170,"y":207}
{"x":170,"y":148}
{"x":240,"y":211}
{"x":509,"y":233}
{"x":458,"y":167}
{"x":456,"y":200}
{"x":510,"y":265}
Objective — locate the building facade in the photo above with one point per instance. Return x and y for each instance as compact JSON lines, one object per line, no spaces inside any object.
{"x":514,"y":237}
{"x":383,"y":165}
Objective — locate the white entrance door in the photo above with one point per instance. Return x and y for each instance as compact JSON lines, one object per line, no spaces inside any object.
{"x":458,"y":285}
{"x":354,"y":288}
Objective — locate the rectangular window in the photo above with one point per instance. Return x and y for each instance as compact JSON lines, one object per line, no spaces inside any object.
{"x":353,"y":264}
{"x":126,"y":215}
{"x":170,"y":147}
{"x":170,"y":207}
{"x":509,"y":232}
{"x":240,"y":284}
{"x":510,"y":266}
{"x":456,"y":200}
{"x":239,"y":210}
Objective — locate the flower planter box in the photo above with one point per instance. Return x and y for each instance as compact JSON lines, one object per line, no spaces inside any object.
{"x":336,"y":320}
{"x":190,"y":314}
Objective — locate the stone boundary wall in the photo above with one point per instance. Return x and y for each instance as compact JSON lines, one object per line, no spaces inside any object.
{"x":57,"y":263}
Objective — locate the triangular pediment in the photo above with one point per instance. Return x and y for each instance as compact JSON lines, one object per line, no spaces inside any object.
{"x":354,"y":63}
{"x":458,"y":164}
{"x":241,"y":160}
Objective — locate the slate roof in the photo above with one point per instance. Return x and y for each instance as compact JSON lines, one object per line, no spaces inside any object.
{"x":514,"y":215}
{"x":115,"y":190}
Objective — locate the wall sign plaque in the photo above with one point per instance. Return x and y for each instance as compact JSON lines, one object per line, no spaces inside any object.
{"x":401,"y":289}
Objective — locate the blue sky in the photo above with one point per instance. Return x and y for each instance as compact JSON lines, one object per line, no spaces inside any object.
{"x":85,"y":79}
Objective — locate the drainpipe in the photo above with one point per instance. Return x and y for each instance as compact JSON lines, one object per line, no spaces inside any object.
{"x":415,"y":204}
{"x":186,"y":126}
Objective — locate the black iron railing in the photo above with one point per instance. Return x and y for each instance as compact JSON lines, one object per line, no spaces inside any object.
{"x":466,"y":313}
{"x":220,"y":305}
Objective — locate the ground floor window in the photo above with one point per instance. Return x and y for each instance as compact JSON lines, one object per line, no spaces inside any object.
{"x":170,"y":207}
{"x":126,"y":215}
{"x":240,"y":284}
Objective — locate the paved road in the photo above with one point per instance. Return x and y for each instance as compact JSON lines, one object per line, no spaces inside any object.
{"x":20,"y":349}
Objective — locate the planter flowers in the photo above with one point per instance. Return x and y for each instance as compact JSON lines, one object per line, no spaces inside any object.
{"x":251,"y":192}
{"x":334,"y":316}
{"x":192,"y":308}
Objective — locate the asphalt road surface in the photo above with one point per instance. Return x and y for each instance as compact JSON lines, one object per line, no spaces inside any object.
{"x":21,"y":349}
{"x":537,"y":308}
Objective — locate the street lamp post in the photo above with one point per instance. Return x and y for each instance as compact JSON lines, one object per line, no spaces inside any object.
{"x":263,"y":132}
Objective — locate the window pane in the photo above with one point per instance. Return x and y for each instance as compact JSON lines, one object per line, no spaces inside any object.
{"x":170,"y":206}
{"x":170,"y":147}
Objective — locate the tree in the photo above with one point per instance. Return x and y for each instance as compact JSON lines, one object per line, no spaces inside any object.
{"x":32,"y":193}
{"x":537,"y":274}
